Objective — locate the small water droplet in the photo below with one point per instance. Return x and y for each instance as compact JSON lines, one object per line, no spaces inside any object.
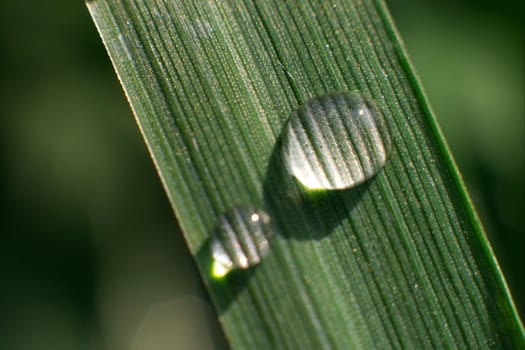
{"x":312,"y":148}
{"x":240,"y":240}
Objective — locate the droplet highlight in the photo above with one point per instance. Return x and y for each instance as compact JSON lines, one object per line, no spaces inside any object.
{"x":336,"y":141}
{"x":240,"y":240}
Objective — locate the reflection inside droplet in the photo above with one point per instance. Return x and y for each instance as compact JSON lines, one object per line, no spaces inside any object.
{"x":240,"y":240}
{"x":336,"y":141}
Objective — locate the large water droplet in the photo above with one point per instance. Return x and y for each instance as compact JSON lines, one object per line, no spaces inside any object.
{"x":336,"y":141}
{"x":240,"y":240}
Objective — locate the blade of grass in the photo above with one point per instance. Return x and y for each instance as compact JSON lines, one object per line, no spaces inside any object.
{"x":401,"y":262}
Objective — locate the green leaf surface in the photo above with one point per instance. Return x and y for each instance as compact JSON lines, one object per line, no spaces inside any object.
{"x":400,"y":261}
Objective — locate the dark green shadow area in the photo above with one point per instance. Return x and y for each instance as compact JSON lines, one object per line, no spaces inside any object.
{"x":305,"y":214}
{"x":227,"y":288}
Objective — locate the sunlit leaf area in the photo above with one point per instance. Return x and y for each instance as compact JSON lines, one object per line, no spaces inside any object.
{"x":91,"y":256}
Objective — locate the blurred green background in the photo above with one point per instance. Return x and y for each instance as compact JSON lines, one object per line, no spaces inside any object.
{"x":90,"y":254}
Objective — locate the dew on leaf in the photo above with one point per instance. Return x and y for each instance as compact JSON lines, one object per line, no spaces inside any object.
{"x":336,"y":141}
{"x":241,"y":239}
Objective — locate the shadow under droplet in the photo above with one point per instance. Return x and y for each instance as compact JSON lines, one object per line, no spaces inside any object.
{"x":223,"y":291}
{"x":301,"y":213}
